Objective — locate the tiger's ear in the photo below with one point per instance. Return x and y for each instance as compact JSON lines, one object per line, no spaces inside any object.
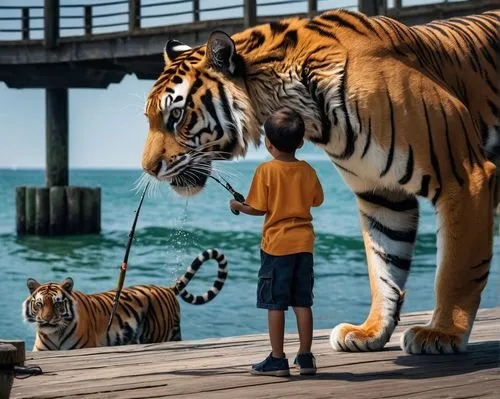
{"x":67,"y":284}
{"x":221,"y":52}
{"x":32,"y":285}
{"x":173,"y":49}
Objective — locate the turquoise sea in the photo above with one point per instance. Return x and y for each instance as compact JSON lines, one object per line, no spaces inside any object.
{"x":173,"y":230}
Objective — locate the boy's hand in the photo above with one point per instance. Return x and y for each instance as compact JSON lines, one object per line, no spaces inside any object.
{"x":235,"y":205}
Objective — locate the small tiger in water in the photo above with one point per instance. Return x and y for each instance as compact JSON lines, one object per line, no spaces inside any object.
{"x":67,"y":319}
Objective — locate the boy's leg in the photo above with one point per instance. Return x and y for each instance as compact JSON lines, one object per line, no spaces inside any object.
{"x":273,"y":295}
{"x":305,"y":327}
{"x":302,"y":300}
{"x":276,"y":321}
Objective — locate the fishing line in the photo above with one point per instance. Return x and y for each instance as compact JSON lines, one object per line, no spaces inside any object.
{"x":236,"y":195}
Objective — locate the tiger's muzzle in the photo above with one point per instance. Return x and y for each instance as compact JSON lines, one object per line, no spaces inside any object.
{"x":187,"y":174}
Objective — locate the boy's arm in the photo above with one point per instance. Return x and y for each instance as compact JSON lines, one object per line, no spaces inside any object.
{"x":318,"y":194}
{"x":245,"y":208}
{"x":256,"y":202}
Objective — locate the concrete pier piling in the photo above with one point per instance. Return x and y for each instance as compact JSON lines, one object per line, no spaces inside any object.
{"x":58,"y":210}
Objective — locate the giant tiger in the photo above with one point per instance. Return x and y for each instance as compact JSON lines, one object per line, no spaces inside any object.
{"x":403,"y":112}
{"x":68,"y":319}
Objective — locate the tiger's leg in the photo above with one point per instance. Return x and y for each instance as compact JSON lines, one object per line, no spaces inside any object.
{"x":389,"y":223}
{"x":464,"y":241}
{"x":175,"y":334}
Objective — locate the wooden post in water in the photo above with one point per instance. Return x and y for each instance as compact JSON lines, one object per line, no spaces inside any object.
{"x":21,"y":210}
{"x":56,"y":133}
{"x":42,"y":212}
{"x":74,"y":209}
{"x":91,"y":210}
{"x":30,"y":212}
{"x":58,"y":208}
{"x":57,"y":211}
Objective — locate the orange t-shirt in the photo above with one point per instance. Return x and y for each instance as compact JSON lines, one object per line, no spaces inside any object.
{"x":286,"y":191}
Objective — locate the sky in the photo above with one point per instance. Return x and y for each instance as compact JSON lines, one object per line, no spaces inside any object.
{"x":107,"y":128}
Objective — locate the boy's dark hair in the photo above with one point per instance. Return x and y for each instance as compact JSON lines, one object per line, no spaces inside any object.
{"x":285,"y":130}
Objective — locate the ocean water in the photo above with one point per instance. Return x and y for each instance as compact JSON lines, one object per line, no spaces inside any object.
{"x":172,"y":231}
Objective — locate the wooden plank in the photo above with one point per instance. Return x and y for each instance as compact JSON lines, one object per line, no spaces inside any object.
{"x":381,"y":378}
{"x":219,"y":368}
{"x":490,"y":315}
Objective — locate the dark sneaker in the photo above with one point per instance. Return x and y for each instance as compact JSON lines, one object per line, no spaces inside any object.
{"x":272,"y":366}
{"x":306,"y":363}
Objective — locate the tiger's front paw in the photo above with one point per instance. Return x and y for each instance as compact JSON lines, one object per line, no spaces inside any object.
{"x":350,"y":338}
{"x":422,"y":340}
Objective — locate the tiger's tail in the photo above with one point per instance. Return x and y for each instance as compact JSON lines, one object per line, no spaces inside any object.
{"x":211,"y":293}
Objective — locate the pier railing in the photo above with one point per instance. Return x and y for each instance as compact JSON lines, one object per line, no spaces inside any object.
{"x":68,"y":19}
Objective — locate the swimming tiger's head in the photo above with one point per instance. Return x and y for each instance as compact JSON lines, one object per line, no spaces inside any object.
{"x":198,"y":110}
{"x":49,"y":306}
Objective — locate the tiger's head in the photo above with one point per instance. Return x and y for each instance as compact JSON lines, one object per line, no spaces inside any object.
{"x":50,"y":307}
{"x":198,"y":110}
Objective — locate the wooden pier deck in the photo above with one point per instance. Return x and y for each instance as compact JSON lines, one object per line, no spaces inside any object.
{"x":218,"y":368}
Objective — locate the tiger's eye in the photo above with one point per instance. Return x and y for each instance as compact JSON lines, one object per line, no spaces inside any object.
{"x":176,"y":113}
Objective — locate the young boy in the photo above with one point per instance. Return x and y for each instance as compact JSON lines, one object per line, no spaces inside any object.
{"x":284,"y":190}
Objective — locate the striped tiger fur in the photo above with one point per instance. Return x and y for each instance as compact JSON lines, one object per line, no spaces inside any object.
{"x":68,"y":319}
{"x":402,"y":112}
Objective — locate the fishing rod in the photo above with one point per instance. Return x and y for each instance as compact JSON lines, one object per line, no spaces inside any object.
{"x":123,"y":269}
{"x":237,"y":196}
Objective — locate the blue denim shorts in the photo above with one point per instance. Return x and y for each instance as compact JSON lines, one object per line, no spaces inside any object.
{"x":285,"y":281}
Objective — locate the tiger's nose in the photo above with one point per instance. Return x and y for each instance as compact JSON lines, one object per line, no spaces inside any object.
{"x":165,"y":163}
